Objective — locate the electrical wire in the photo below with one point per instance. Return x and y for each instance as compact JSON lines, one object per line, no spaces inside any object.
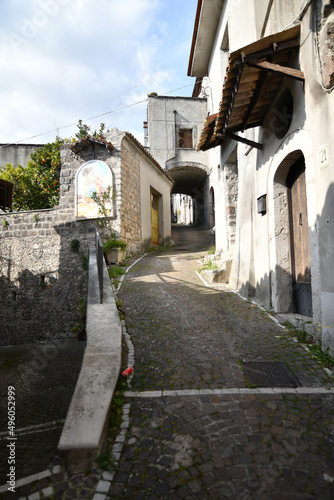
{"x":92,"y":118}
{"x":300,"y":16}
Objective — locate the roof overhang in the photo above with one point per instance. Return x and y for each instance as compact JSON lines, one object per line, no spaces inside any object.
{"x":205,"y":28}
{"x":83,"y":143}
{"x":253,"y":79}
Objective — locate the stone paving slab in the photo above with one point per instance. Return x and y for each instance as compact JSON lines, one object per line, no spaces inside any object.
{"x":188,"y":336}
{"x":237,"y":446}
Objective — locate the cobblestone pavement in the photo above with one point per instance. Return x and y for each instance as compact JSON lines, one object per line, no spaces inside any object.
{"x":194,"y":427}
{"x":198,"y":430}
{"x":43,"y":377}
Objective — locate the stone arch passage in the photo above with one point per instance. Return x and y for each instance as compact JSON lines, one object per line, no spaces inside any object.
{"x":191,"y":179}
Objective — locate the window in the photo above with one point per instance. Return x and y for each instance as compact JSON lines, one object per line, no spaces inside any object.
{"x":283,"y":113}
{"x":185,"y":138}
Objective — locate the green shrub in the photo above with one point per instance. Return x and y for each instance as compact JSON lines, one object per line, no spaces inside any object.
{"x":108,"y":245}
{"x":106,"y":461}
{"x":209,"y":266}
{"x":116,"y":271}
{"x":36,"y":186}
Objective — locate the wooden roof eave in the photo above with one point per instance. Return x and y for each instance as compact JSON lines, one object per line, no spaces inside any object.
{"x":206,"y":135}
{"x":258,"y":79}
{"x":284,"y":41}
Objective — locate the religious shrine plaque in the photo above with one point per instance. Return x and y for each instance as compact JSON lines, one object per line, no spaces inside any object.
{"x":93,"y":176}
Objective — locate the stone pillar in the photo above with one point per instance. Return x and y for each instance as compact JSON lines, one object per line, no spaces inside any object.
{"x":231,"y":200}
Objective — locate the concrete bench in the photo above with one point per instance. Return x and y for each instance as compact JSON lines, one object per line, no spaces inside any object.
{"x":84,"y":432}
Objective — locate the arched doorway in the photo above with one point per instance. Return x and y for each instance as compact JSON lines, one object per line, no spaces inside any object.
{"x":292,"y":286}
{"x":191,"y":181}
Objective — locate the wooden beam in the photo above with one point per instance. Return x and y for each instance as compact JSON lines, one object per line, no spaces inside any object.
{"x":276,"y":68}
{"x":271,"y":50}
{"x":256,"y":145}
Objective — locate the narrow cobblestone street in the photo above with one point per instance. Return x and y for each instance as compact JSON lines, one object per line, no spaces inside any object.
{"x":194,"y":426}
{"x":196,"y":430}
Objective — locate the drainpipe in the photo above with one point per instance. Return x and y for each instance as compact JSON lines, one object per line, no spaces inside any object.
{"x":172,"y":157}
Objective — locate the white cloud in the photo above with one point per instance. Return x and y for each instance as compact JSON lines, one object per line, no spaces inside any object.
{"x":65,"y":60}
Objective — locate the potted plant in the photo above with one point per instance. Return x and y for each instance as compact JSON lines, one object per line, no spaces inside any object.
{"x":114,"y":251}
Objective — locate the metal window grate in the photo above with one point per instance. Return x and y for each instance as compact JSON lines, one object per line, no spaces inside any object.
{"x":269,"y":374}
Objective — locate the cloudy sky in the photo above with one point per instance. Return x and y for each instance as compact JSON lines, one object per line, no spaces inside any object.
{"x":65,"y":60}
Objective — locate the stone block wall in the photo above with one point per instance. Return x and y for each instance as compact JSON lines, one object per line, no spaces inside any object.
{"x":41,"y":278}
{"x":130,"y":208}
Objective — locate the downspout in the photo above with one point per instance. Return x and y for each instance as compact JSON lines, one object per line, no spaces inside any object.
{"x":172,"y":157}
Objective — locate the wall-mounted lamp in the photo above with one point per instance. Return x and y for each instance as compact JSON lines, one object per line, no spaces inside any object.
{"x":262,"y":204}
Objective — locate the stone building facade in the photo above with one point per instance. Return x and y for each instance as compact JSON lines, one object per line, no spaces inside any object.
{"x":173,"y":128}
{"x":270,"y":76}
{"x":43,"y":254}
{"x":130,"y":216}
{"x":139,"y":176}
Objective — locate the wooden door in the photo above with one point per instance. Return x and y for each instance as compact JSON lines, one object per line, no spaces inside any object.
{"x":299,"y":239}
{"x":155,"y":218}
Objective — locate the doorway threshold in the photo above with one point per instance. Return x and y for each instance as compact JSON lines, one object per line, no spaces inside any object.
{"x":300,"y":322}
